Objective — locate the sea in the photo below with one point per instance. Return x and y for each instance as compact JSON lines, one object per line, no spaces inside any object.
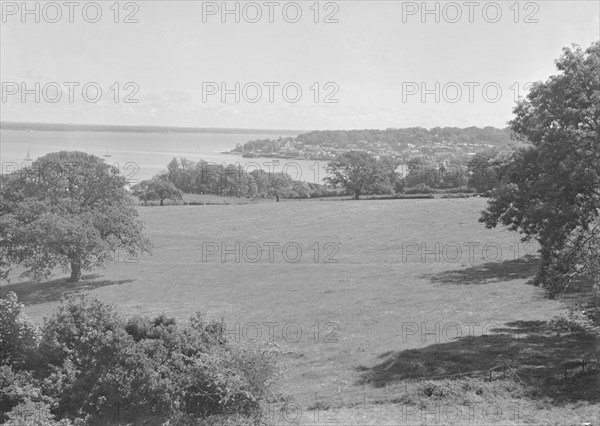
{"x":140,"y":156}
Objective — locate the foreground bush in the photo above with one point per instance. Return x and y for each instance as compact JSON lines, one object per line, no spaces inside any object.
{"x":17,"y":388}
{"x":98,"y":368}
{"x":29,"y":413}
{"x":18,"y":337}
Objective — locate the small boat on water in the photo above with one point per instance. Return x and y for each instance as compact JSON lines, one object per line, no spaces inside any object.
{"x":107,"y":155}
{"x":28,"y":156}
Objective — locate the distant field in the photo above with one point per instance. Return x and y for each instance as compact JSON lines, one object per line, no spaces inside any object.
{"x":369,"y":302}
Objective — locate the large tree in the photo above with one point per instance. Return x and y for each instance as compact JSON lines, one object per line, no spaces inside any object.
{"x":361,"y":172}
{"x":69,"y":210}
{"x":156,"y":189}
{"x":550,"y":190}
{"x":276,"y":184}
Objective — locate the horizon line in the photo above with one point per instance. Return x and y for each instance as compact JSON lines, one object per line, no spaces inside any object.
{"x":50,"y":126}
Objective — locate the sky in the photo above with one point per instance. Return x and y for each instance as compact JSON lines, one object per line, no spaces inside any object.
{"x":363,"y":64}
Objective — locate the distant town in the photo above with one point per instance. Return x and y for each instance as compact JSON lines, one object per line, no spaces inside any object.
{"x":447,"y":144}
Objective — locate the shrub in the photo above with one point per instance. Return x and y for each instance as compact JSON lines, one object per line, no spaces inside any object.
{"x":456,"y":195}
{"x":463,"y":391}
{"x":29,"y":413}
{"x":412,"y":196}
{"x":18,"y":336}
{"x":592,"y":311}
{"x":81,"y":343}
{"x":106,"y":370}
{"x":323,"y":192}
{"x":586,"y":321}
{"x":460,"y":190}
{"x":17,"y":387}
{"x":419,"y":189}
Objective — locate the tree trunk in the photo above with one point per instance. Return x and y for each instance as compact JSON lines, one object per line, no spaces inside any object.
{"x":356,"y":195}
{"x":75,"y":268}
{"x":161,"y":202}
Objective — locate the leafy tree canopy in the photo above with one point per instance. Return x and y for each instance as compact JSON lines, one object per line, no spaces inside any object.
{"x":156,"y":189}
{"x":551,"y":189}
{"x":69,"y":210}
{"x":360,"y":172}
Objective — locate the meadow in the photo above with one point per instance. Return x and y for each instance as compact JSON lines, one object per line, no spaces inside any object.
{"x":365,"y":296}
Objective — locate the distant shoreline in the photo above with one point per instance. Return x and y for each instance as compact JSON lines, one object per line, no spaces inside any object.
{"x":62,"y":127}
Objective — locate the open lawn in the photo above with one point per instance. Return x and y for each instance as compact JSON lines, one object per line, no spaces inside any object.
{"x":361,"y":314}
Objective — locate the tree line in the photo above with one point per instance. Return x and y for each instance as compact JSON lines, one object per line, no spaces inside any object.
{"x":351,"y":173}
{"x":185,"y":176}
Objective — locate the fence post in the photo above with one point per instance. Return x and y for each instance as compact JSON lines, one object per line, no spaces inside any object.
{"x":490,"y":375}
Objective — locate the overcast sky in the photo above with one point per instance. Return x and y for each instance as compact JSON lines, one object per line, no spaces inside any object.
{"x":377,"y":59}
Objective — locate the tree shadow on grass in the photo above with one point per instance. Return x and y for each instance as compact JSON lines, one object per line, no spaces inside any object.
{"x":490,"y":272}
{"x":536,"y":353}
{"x":36,"y":292}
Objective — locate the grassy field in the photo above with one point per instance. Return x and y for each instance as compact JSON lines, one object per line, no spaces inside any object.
{"x":367,"y":311}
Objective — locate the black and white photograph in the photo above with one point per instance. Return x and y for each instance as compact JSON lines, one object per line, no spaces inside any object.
{"x":311,"y":212}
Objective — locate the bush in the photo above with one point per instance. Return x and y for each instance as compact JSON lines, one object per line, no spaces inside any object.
{"x":17,"y":387}
{"x":323,"y":192}
{"x":456,"y":196}
{"x":412,"y":196}
{"x":460,"y":190}
{"x":462,"y":391}
{"x":592,"y":311}
{"x":100,"y":369}
{"x":29,"y":413}
{"x":18,"y":336}
{"x":586,"y":321}
{"x":419,"y":189}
